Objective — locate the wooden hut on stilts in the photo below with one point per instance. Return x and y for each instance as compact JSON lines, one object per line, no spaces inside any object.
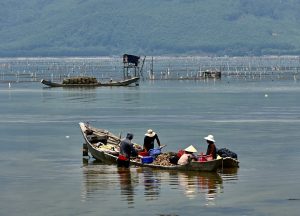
{"x":131,"y":66}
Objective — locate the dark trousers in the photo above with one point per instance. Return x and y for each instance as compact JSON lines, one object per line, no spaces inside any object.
{"x":123,"y":163}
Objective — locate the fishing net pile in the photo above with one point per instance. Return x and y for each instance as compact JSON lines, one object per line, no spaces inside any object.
{"x":80,"y":80}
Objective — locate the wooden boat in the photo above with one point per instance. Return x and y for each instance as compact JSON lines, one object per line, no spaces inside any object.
{"x":125,"y":82}
{"x":104,"y":146}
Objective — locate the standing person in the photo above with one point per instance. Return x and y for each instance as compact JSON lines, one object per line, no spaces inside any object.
{"x":149,"y":139}
{"x":211,"y":148}
{"x":126,"y":150}
{"x":187,"y":156}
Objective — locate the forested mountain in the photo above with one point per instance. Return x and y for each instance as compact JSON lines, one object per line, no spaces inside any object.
{"x":149,"y":27}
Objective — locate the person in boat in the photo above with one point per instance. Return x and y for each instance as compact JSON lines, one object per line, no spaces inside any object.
{"x":211,"y":148}
{"x":149,"y":140}
{"x":126,"y":151}
{"x":187,"y":156}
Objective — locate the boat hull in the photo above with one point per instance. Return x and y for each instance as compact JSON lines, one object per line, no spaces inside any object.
{"x":229,"y":162}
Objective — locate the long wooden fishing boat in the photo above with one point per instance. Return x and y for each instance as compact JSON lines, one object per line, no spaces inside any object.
{"x":89,"y":82}
{"x":104,"y":146}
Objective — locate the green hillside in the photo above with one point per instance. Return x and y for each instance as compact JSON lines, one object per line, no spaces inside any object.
{"x":143,"y":27}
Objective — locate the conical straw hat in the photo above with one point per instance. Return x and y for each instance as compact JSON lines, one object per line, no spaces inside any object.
{"x":190,"y":149}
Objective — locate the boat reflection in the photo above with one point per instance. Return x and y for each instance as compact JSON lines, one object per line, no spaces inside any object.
{"x":195,"y":184}
{"x":96,"y":176}
{"x":103,"y":178}
{"x":85,"y":95}
{"x":126,"y":185}
{"x":152,"y":182}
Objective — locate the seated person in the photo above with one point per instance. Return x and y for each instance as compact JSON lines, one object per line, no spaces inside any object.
{"x":187,"y":156}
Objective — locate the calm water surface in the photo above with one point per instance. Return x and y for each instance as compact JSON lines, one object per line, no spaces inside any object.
{"x":43,"y":172}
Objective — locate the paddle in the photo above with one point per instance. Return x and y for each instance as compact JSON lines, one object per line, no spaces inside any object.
{"x":162,"y":146}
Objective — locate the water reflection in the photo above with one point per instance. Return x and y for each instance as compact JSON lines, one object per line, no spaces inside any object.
{"x":70,"y":94}
{"x":229,"y":174}
{"x":97,"y":177}
{"x":151,"y":181}
{"x":126,"y":185}
{"x":131,"y":184}
{"x":204,"y":183}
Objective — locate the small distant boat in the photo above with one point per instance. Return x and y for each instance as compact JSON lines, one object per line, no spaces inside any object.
{"x":212,"y":74}
{"x":89,"y":82}
{"x":104,"y":146}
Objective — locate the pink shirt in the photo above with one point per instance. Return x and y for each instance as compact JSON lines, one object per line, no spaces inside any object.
{"x":184,"y":159}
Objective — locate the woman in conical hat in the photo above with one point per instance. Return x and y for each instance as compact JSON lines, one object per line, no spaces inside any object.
{"x":187,"y":156}
{"x":191,"y":149}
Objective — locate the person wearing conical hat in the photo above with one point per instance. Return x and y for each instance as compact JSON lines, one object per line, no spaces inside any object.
{"x":211,"y":148}
{"x":187,"y":156}
{"x":149,"y":139}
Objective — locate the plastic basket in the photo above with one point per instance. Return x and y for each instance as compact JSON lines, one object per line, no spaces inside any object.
{"x":147,"y":159}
